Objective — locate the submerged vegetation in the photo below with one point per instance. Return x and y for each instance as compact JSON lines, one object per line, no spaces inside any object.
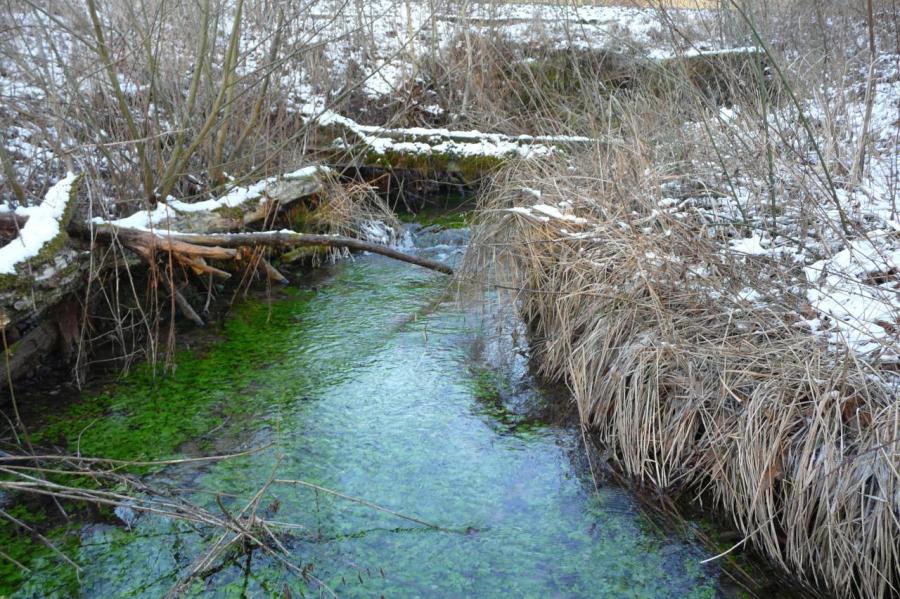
{"x":362,"y":417}
{"x":149,"y":415}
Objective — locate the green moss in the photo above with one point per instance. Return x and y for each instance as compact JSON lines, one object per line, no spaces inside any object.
{"x":488,"y":388}
{"x":572,"y":80}
{"x":487,"y":385}
{"x":470,"y":168}
{"x":147,"y":415}
{"x":26,"y":549}
{"x":436,"y":217}
{"x":301,"y":253}
{"x":458,"y":220}
{"x":715,"y":76}
{"x":237,"y":213}
{"x":302,"y":217}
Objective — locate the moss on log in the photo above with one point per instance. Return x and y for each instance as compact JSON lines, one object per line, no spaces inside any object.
{"x":466,"y":155}
{"x":44,"y":278}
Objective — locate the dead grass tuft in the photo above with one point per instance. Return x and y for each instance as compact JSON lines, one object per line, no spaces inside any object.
{"x":692,"y":386}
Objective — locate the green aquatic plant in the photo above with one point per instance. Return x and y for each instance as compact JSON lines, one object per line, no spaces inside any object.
{"x":366,"y":387}
{"x":438,"y":218}
{"x":148,"y":415}
{"x":23,"y":552}
{"x":446,"y":211}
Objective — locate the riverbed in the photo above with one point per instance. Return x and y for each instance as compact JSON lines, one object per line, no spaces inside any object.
{"x":377,"y":382}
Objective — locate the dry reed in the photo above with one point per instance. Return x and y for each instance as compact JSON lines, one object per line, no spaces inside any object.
{"x":693,"y":387}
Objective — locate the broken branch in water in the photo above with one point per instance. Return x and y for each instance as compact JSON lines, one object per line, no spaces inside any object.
{"x":374,"y":506}
{"x":224,"y":246}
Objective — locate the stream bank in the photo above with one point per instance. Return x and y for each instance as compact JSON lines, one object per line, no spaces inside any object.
{"x":374,"y":382}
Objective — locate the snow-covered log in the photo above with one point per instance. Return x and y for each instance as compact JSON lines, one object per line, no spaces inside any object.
{"x":37,"y":265}
{"x":240,"y":207}
{"x":466,"y":154}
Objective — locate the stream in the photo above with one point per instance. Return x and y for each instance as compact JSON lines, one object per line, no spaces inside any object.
{"x":375,"y":382}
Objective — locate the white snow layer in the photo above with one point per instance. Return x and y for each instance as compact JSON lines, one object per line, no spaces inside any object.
{"x":41,"y":227}
{"x":146,"y":220}
{"x":854,"y":288}
{"x":382,"y":140}
{"x":545,"y":212}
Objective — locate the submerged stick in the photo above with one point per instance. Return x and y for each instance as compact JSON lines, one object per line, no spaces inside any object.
{"x":374,"y":506}
{"x":186,"y":309}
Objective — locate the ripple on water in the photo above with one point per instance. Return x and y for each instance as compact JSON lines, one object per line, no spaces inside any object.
{"x":375,"y":387}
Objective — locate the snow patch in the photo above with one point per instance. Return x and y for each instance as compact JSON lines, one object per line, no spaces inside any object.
{"x":146,"y":220}
{"x":41,"y":227}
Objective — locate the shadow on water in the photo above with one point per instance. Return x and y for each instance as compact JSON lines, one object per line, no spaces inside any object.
{"x":376,"y":384}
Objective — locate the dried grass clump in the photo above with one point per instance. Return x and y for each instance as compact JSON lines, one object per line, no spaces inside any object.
{"x":352,"y":211}
{"x":692,"y":386}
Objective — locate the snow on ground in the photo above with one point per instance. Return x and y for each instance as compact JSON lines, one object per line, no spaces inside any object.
{"x":546,"y":213}
{"x":852,"y":280}
{"x":859,"y":290}
{"x":27,"y":72}
{"x":856,"y":288}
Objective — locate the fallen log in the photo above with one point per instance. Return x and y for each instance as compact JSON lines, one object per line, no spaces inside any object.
{"x":240,"y":207}
{"x":467,"y":155}
{"x":225,"y":245}
{"x":718,"y":74}
{"x":26,"y":352}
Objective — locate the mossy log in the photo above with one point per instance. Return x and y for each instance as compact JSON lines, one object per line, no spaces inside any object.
{"x":29,"y":349}
{"x":38,"y":265}
{"x":241,"y":207}
{"x":717,"y":74}
{"x":465,"y":156}
{"x":54,"y":257}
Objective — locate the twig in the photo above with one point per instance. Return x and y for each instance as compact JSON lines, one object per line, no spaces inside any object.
{"x":361,"y":501}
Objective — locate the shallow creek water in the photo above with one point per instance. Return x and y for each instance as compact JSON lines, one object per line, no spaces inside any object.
{"x":379,"y":385}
